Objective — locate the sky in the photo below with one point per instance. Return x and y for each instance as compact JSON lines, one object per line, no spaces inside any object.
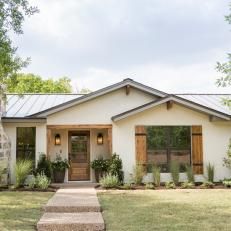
{"x":171,"y":45}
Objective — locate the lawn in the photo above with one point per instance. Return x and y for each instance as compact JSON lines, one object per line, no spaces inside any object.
{"x":21,"y":210}
{"x":176,"y":210}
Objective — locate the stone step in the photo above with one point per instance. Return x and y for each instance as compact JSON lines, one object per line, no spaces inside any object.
{"x":73,"y":200}
{"x":90,"y":221}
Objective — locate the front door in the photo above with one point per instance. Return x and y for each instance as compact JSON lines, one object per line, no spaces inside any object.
{"x":79,"y":156}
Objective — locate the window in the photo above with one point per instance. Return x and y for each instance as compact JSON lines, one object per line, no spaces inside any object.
{"x":26,"y":143}
{"x":168,"y":143}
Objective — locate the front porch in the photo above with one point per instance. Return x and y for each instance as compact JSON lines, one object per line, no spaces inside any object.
{"x":80,"y":144}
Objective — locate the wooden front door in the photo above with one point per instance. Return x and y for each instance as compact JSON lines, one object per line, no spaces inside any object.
{"x":79,"y":156}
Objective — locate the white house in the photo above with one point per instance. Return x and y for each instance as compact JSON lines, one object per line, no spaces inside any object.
{"x":139,"y":123}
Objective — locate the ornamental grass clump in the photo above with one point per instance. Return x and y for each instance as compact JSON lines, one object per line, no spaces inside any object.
{"x":190,"y":174}
{"x":22,"y":169}
{"x":138,"y":173}
{"x":210,"y":172}
{"x":156,"y":175}
{"x":42,"y":181}
{"x":109,"y":181}
{"x":175,"y":172}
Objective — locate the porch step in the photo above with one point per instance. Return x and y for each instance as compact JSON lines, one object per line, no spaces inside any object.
{"x":73,"y":200}
{"x":89,"y":221}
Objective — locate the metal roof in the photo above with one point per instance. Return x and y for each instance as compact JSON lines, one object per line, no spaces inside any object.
{"x":28,"y":104}
{"x":19,"y":106}
{"x":213,"y":101}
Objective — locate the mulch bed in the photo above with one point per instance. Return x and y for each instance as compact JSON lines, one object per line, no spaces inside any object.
{"x":162,"y":187}
{"x":26,"y":189}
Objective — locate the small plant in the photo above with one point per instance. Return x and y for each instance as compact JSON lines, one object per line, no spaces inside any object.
{"x":187,"y":185}
{"x":100,"y":166}
{"x":210,"y":172}
{"x":170,"y":185}
{"x":207,"y":184}
{"x":44,"y":165}
{"x":156,"y":175}
{"x":22,"y":169}
{"x":190,"y":174}
{"x":115,"y":167}
{"x":109,"y":181}
{"x":138,"y":174}
{"x":175,"y":172}
{"x":60,"y":164}
{"x":227,"y":183}
{"x":149,"y":186}
{"x":227,"y":161}
{"x":42,"y":181}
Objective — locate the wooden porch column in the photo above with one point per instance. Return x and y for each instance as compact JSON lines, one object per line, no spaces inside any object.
{"x":110,"y":139}
{"x":48,"y":142}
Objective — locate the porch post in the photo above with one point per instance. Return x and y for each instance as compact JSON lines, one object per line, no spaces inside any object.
{"x":48,"y":142}
{"x":110,"y":139}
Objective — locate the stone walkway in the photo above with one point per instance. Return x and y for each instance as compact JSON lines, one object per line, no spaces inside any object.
{"x":72,"y":208}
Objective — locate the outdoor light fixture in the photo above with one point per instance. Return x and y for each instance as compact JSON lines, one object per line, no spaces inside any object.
{"x":57,"y":139}
{"x":100,"y":139}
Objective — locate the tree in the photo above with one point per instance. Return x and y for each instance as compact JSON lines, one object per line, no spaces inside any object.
{"x":30,"y":83}
{"x":12,"y":15}
{"x":225,"y":68}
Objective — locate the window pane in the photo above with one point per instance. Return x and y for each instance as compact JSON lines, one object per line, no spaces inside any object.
{"x":168,"y":143}
{"x":26,"y":143}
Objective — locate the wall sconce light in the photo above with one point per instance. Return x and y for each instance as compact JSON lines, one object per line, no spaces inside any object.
{"x":100,"y":139}
{"x":57,"y":139}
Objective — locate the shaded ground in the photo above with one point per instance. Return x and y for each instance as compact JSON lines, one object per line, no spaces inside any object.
{"x":176,"y":210}
{"x":21,"y":210}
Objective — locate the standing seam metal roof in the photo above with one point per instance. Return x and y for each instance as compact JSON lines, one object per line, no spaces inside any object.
{"x":28,"y":104}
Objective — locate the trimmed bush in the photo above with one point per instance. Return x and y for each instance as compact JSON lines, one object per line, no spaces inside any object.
{"x":109,"y":181}
{"x":115,"y":167}
{"x":149,"y":186}
{"x":207,"y":184}
{"x":44,"y":166}
{"x":22,"y":169}
{"x":227,"y":183}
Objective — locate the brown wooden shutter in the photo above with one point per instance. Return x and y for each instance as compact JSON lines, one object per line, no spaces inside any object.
{"x":197,"y":149}
{"x":141,"y":145}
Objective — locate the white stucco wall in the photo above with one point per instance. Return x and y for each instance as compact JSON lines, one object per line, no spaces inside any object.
{"x":10,"y":129}
{"x":101,"y":109}
{"x":215,"y":136}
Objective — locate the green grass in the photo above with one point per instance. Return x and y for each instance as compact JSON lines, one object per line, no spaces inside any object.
{"x":21,"y":210}
{"x":206,"y":210}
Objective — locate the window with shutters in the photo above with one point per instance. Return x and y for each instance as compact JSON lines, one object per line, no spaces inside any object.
{"x":168,"y":143}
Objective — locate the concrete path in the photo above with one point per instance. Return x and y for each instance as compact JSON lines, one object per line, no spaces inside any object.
{"x":72,"y":209}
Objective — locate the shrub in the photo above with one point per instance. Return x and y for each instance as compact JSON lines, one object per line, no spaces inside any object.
{"x":175,"y":172}
{"x":207,"y":184}
{"x":115,"y":167}
{"x":138,"y":173}
{"x":170,"y":185}
{"x":44,"y":165}
{"x":210,"y":172}
{"x":22,"y":170}
{"x":227,"y":183}
{"x":227,"y":161}
{"x":187,"y":184}
{"x":156,"y":175}
{"x":42,"y":181}
{"x":149,"y":186}
{"x":190,"y":174}
{"x":100,"y":164}
{"x":109,"y":181}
